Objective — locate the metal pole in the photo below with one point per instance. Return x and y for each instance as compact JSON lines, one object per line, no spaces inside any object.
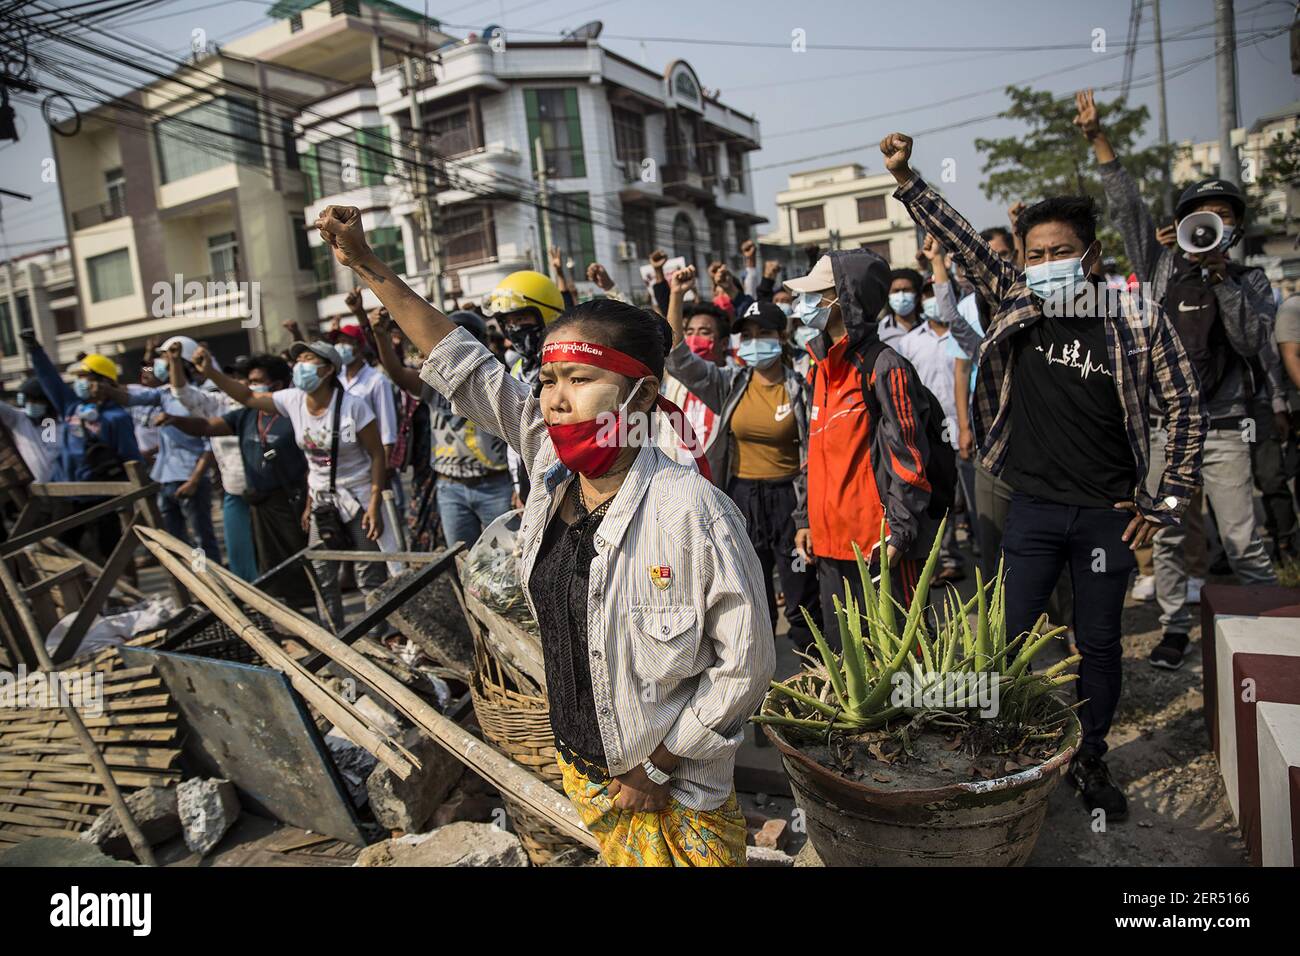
{"x":548,"y":238}
{"x":1162,"y":108}
{"x":422,"y":186}
{"x":1226,"y":40}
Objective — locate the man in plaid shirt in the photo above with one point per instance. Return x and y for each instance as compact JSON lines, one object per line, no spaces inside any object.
{"x":1062,"y":415}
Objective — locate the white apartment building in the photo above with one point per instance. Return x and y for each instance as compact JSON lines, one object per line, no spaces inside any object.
{"x":841,"y":207}
{"x":1271,"y":240}
{"x":183,"y":199}
{"x":38,"y":291}
{"x":636,"y":160}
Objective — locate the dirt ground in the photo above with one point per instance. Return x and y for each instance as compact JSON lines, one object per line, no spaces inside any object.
{"x":1159,"y":754}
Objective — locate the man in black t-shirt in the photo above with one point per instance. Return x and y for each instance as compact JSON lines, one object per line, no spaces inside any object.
{"x":1062,"y":406}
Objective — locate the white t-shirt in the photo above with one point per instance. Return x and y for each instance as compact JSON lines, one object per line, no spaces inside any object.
{"x":313,"y":433}
{"x":376,"y":389}
{"x":37,"y":443}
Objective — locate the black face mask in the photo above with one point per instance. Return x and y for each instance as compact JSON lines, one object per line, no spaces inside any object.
{"x":527,"y":341}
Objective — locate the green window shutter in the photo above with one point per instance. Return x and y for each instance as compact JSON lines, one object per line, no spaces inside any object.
{"x":575,"y":132}
{"x":311,"y":174}
{"x":534,"y":126}
{"x":371,"y":155}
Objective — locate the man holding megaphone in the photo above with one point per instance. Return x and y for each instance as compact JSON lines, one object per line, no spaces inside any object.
{"x":1223,"y":314}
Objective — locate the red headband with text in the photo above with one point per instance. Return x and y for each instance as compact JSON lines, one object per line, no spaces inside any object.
{"x":612,"y":360}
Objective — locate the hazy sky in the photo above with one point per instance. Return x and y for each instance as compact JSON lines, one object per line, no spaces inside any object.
{"x":815,"y":102}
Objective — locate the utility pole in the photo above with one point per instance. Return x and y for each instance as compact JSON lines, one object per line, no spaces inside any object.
{"x":1226,"y":39}
{"x":548,"y":237}
{"x":422,"y":186}
{"x":1162,"y":108}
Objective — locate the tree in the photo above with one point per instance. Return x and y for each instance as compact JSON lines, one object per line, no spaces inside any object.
{"x":1052,"y":159}
{"x":1281,"y":171}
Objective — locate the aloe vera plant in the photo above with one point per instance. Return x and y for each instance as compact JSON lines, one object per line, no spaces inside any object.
{"x":852,"y":691}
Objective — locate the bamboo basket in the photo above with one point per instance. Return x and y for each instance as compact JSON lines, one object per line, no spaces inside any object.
{"x":519,"y":726}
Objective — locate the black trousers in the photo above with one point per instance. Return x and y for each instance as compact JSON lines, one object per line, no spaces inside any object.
{"x":1039,"y":540}
{"x":832,"y":573}
{"x":768,"y":507}
{"x":278,"y":535}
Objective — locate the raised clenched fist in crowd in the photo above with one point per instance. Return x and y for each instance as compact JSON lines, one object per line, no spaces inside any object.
{"x":202,"y":360}
{"x":596,"y":273}
{"x":897,"y":150}
{"x":340,"y":227}
{"x":657,"y":259}
{"x":683,"y":280}
{"x":748,"y":250}
{"x":771,"y":269}
{"x":1087,"y":120}
{"x":931,"y":250}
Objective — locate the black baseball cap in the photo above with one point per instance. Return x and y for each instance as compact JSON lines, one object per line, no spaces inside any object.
{"x":1197,"y":193}
{"x":768,"y":315}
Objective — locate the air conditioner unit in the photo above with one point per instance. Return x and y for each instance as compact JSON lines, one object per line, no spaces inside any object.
{"x":627,"y":252}
{"x":732,"y":184}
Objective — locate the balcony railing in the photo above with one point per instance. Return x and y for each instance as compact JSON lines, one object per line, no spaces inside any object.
{"x":99,"y":213}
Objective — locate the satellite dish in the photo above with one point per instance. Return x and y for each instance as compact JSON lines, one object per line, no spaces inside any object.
{"x":588,"y":31}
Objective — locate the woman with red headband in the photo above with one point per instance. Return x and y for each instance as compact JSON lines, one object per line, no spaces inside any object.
{"x":647,"y":592}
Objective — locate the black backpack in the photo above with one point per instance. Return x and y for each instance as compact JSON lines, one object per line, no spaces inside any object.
{"x":941,"y":465}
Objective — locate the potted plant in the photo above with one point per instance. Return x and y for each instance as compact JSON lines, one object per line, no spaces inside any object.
{"x":922,"y":742}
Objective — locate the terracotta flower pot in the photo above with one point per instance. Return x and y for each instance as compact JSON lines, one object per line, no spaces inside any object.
{"x":977,"y":823}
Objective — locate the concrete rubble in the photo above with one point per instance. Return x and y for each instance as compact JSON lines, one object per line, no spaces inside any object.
{"x":408,"y":805}
{"x":458,"y":844}
{"x":155,"y":812}
{"x":207,"y":808}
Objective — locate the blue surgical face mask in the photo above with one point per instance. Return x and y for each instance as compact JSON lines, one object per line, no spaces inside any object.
{"x":1046,"y":279}
{"x":346,"y":353}
{"x":160,"y":369}
{"x":810,"y":310}
{"x":36,"y":411}
{"x":88,"y":412}
{"x":902,"y":303}
{"x":259,"y":389}
{"x":82,"y":388}
{"x":759,"y":353}
{"x":786,"y":309}
{"x":1226,"y":241}
{"x":930,"y":309}
{"x":805,"y":334}
{"x":306,"y":376}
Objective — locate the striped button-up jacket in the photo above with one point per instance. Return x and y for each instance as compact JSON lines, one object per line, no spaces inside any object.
{"x":1146,"y":357}
{"x":681,"y":648}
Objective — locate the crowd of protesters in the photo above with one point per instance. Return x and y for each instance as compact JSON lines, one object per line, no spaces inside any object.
{"x":1092,"y":446}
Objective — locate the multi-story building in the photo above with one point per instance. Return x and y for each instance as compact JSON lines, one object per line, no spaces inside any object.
{"x":38,"y":291}
{"x":840,"y":207}
{"x":634,"y":160}
{"x":1270,"y":241}
{"x":184,"y":199}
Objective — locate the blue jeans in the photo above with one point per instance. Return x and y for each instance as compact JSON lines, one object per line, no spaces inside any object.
{"x":1040,"y":539}
{"x":238,"y":523}
{"x":194,"y":511}
{"x":465,"y":510}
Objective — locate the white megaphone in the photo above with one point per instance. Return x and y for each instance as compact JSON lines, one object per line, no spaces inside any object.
{"x":1200,"y":232}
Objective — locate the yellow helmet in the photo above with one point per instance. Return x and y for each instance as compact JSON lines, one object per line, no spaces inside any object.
{"x":524,"y":290}
{"x":100,"y":365}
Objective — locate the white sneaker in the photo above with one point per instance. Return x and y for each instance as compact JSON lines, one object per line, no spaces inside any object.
{"x":1194,"y":586}
{"x":1144,"y":587}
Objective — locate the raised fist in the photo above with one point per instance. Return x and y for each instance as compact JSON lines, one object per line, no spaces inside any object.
{"x":658,"y":258}
{"x":771,"y":269}
{"x":897,"y":150}
{"x":748,"y":249}
{"x":596,"y":273}
{"x":683,"y":280}
{"x":340,"y":227}
{"x":202,"y":360}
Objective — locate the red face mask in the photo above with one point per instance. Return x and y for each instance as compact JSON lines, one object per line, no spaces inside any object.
{"x":701,"y":345}
{"x":590,"y":448}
